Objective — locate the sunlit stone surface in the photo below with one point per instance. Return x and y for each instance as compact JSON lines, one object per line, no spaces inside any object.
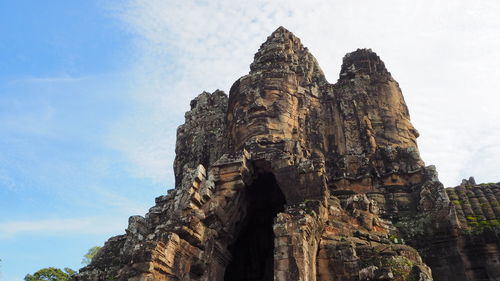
{"x":293,"y":178}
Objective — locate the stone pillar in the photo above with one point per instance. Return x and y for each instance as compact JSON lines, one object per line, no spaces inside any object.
{"x":297,"y":236}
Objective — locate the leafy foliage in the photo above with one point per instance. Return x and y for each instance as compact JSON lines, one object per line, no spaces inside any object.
{"x":87,"y":258}
{"x":477,"y":226}
{"x":50,"y":274}
{"x":56,"y":274}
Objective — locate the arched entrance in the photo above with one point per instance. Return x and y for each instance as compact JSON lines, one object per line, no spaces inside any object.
{"x":253,"y":250}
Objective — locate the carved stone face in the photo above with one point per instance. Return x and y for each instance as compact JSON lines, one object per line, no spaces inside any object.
{"x":268,"y":108}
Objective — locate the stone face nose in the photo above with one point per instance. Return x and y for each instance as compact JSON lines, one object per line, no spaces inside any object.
{"x":256,"y":106}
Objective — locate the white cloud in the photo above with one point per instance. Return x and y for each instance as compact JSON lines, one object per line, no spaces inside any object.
{"x":443,"y":53}
{"x":88,"y":225}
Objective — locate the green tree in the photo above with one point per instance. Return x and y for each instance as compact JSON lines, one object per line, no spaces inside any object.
{"x":50,"y":274}
{"x":70,"y":271}
{"x":56,"y":274}
{"x":87,"y":258}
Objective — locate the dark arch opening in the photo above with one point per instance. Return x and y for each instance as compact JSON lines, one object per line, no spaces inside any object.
{"x":253,"y":250}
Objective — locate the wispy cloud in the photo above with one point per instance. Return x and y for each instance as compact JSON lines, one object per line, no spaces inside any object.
{"x":442,"y":53}
{"x":6,"y":181}
{"x":55,"y":227}
{"x":49,"y":79}
{"x":117,"y":202}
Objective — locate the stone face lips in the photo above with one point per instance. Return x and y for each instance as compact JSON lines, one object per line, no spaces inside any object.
{"x":294,"y":178}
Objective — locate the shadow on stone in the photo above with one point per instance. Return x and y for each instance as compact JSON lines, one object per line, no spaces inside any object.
{"x":252,"y":251}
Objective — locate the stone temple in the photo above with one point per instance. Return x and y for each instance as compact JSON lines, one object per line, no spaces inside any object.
{"x":293,"y":178}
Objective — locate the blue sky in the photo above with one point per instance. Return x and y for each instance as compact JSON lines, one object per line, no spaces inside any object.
{"x":63,"y":82}
{"x":91,"y":93}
